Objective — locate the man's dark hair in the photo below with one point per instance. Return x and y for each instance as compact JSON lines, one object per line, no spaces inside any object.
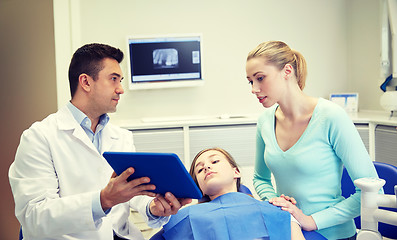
{"x":88,"y":59}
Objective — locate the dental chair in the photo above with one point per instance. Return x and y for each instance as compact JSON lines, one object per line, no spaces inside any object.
{"x":370,"y":213}
{"x":308,"y":235}
{"x":389,"y":174}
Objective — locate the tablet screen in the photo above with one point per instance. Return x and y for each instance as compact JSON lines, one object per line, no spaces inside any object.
{"x":165,"y":171}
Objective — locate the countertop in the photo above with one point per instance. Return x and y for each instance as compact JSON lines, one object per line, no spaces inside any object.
{"x":363,"y":116}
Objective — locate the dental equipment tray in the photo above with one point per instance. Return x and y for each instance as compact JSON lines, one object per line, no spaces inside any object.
{"x":165,"y":171}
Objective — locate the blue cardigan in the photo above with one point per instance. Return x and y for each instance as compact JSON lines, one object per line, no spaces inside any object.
{"x":311,"y":170}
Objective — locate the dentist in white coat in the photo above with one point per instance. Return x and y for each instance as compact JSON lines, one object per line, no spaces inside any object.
{"x":63,"y":188}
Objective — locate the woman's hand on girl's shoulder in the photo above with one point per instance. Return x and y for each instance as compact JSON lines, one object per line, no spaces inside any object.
{"x":307,"y":222}
{"x":288,"y":198}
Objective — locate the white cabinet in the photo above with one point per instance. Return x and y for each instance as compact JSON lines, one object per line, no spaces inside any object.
{"x":238,"y":140}
{"x":386,"y":144}
{"x":363,"y":130}
{"x":167,"y":140}
{"x":187,"y":141}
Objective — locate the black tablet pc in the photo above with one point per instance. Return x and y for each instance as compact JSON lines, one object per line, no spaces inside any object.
{"x":165,"y":171}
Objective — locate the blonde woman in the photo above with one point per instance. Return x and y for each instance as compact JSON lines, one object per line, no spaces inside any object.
{"x":304,"y":141}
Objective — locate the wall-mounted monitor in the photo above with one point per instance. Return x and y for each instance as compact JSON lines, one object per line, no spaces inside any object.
{"x":165,"y":61}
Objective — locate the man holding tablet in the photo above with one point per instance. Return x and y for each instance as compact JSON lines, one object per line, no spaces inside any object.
{"x":60,"y":180}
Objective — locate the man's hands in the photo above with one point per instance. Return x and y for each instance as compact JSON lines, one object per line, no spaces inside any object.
{"x":119,"y":190}
{"x":289,"y":204}
{"x":167,"y":205}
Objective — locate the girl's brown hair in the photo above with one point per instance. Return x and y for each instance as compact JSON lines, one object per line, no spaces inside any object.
{"x":225,"y":153}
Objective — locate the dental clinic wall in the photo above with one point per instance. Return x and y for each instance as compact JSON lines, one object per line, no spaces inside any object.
{"x":327,"y":33}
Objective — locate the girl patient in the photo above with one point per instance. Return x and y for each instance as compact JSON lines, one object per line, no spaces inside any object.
{"x":228,"y":214}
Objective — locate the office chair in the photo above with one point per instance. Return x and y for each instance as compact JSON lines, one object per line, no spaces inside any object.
{"x":389,"y":174}
{"x":244,"y":189}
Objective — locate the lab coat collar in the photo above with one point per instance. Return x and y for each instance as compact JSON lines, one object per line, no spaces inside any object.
{"x":66,"y":121}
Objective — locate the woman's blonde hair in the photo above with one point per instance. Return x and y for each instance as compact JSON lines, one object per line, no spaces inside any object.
{"x":279,"y":54}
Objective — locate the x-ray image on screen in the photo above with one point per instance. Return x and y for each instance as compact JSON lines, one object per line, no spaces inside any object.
{"x":165,"y":61}
{"x":165,"y":58}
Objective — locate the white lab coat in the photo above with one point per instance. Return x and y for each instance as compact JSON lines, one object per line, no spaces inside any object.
{"x":55,"y":173}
